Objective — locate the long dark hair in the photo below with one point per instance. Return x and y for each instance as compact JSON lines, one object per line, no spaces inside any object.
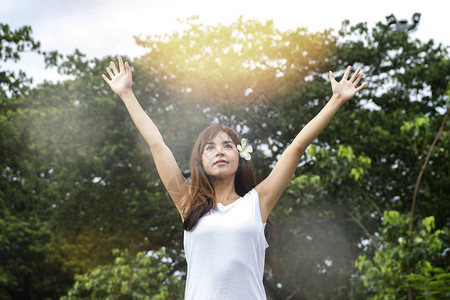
{"x":201,"y":197}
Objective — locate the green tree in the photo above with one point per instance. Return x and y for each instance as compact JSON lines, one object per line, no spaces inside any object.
{"x":12,"y":44}
{"x":398,"y":265}
{"x":24,"y":253}
{"x":84,"y":170}
{"x":144,"y":276}
{"x":24,"y":236}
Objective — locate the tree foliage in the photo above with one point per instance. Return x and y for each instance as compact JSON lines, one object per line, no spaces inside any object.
{"x":397,"y":264}
{"x":12,"y":44}
{"x":144,"y":276}
{"x":25,"y":252}
{"x":75,"y":170}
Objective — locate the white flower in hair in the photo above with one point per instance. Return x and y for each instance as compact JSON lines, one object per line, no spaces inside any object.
{"x":245,"y":150}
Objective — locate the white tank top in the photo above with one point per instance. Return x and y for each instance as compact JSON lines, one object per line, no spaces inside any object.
{"x":225,"y":252}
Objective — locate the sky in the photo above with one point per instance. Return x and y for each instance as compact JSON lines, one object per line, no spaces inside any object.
{"x":99,"y":27}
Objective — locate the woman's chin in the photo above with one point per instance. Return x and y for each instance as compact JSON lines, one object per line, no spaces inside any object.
{"x":221,"y":175}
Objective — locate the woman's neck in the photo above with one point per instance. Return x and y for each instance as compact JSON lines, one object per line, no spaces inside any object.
{"x":225,"y":190}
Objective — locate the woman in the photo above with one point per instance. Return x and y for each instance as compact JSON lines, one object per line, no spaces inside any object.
{"x":223,"y":210}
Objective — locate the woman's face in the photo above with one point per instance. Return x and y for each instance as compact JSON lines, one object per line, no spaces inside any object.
{"x":221,"y":148}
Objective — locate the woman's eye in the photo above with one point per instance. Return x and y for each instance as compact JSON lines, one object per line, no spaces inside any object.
{"x":211,"y":147}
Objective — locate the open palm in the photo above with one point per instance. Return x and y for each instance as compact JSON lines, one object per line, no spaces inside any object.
{"x":121,"y":79}
{"x":346,"y":88}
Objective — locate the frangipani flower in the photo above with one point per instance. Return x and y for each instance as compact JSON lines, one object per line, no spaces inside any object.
{"x":245,"y":150}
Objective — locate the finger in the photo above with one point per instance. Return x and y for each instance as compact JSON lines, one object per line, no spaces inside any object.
{"x":332,"y":79}
{"x":355,"y":83}
{"x":127,"y":67}
{"x":120,"y":64}
{"x":113,"y":66}
{"x":355,"y":74}
{"x":106,"y":78}
{"x":361,"y":87}
{"x":347,"y":72}
{"x":110,"y":72}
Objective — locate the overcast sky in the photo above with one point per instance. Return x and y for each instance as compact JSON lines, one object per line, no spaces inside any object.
{"x":99,"y":27}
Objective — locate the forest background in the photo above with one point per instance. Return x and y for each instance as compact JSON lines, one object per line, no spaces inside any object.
{"x":83,"y":213}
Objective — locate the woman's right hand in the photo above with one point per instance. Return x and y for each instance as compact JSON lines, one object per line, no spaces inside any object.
{"x":121,"y":79}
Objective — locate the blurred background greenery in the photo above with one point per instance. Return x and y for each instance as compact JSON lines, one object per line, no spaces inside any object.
{"x":83,"y":213}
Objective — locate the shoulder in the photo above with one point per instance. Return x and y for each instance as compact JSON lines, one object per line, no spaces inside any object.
{"x":258,"y":190}
{"x":184,"y":206}
{"x":255,"y":193}
{"x":265,"y":211}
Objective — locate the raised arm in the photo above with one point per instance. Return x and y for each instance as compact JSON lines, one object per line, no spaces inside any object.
{"x":271,"y":188}
{"x":166,"y":165}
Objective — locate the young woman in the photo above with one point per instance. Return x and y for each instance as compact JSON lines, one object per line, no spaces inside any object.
{"x":224,"y":211}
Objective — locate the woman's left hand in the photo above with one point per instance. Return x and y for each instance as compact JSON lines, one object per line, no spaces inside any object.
{"x":345,"y":89}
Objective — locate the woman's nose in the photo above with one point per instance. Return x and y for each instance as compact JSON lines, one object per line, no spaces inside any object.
{"x":219,"y":151}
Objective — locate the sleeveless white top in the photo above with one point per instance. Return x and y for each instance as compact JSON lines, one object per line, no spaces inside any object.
{"x":225,"y":252}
